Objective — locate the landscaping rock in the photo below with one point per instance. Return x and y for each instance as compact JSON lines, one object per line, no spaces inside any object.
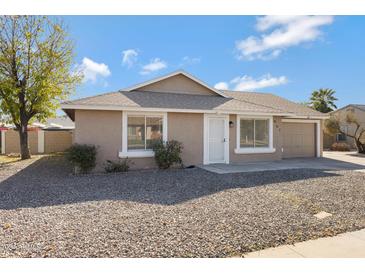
{"x":45,"y":211}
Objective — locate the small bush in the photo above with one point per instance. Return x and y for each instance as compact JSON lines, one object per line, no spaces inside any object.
{"x":82,"y":157}
{"x":167,"y":153}
{"x":340,"y":147}
{"x":118,"y":166}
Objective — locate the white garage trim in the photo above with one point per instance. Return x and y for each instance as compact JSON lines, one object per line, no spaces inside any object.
{"x":3,"y":141}
{"x":318,"y":131}
{"x":40,"y":141}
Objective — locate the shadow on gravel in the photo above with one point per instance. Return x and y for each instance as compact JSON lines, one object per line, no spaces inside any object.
{"x":48,"y":182}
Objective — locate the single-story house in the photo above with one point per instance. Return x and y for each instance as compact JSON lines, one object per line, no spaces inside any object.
{"x":214,"y":126}
{"x":359,"y":112}
{"x":55,"y":135}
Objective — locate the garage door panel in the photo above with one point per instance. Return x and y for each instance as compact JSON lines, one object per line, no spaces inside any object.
{"x":298,"y":140}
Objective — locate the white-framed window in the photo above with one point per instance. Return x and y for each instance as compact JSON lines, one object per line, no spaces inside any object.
{"x":140,"y":130}
{"x":254,"y":135}
{"x":341,"y":137}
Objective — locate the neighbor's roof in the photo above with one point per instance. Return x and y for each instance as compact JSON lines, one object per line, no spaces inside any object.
{"x":358,"y":106}
{"x":362,"y":107}
{"x":60,"y":122}
{"x":239,"y":102}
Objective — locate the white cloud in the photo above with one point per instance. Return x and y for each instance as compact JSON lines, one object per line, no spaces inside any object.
{"x":154,"y":65}
{"x":221,"y":86}
{"x":267,"y":22}
{"x":247,"y":83}
{"x":285,"y":32}
{"x":92,"y":70}
{"x":129,"y":57}
{"x":187,"y":60}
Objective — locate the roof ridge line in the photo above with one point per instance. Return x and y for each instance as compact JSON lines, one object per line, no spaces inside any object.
{"x":174,"y":93}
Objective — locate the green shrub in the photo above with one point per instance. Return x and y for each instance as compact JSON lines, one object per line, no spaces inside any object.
{"x":340,"y":147}
{"x":82,"y":157}
{"x":167,"y":153}
{"x":118,"y":166}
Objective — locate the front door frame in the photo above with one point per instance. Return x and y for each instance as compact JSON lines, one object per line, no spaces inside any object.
{"x":206,"y":137}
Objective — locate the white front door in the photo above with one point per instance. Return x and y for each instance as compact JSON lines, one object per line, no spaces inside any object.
{"x":217,"y":139}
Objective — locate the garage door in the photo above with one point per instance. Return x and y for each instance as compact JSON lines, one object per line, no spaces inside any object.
{"x":299,"y":140}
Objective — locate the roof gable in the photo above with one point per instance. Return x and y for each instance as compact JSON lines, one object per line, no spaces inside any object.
{"x":179,"y":82}
{"x":350,"y":106}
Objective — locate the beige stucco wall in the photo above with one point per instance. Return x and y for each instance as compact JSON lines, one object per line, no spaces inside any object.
{"x":57,"y":141}
{"x":188,"y":128}
{"x":104,"y":129}
{"x":12,"y":143}
{"x":277,"y":143}
{"x":178,"y":84}
{"x":238,"y":158}
{"x":100,"y":128}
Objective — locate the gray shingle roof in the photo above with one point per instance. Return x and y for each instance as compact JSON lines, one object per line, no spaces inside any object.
{"x":274,"y":101}
{"x":358,"y":106}
{"x":252,"y":102}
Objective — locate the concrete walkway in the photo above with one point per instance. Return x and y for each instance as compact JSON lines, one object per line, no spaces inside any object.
{"x":324,"y":163}
{"x":346,"y":245}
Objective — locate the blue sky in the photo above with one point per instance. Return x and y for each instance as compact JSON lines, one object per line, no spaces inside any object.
{"x":288,"y":56}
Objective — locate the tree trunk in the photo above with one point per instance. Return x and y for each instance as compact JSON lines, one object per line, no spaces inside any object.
{"x":360,"y":146}
{"x":23,"y":137}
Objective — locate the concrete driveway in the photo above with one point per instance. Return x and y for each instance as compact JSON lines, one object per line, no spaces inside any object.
{"x":346,"y":156}
{"x":329,"y":161}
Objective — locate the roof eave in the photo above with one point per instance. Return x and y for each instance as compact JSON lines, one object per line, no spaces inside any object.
{"x":322,"y":117}
{"x":67,"y":107}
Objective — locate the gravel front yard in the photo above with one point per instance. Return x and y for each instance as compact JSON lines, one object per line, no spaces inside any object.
{"x":46,"y":212}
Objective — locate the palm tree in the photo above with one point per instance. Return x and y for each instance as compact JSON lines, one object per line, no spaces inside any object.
{"x":323,"y":100}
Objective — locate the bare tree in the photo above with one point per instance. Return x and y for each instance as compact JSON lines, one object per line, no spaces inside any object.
{"x":356,"y":130}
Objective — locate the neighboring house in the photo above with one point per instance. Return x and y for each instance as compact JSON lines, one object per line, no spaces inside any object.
{"x":53,"y":136}
{"x":214,"y":126}
{"x":359,"y":112}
